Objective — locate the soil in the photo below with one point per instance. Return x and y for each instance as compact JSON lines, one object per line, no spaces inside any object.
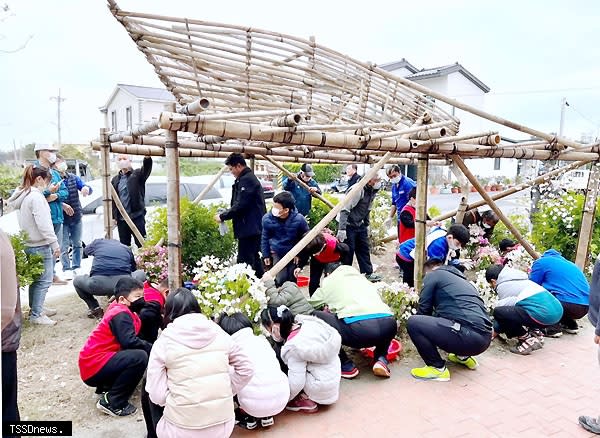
{"x":50,"y":387}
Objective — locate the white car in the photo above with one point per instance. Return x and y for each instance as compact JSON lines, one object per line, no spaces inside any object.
{"x":574,"y":180}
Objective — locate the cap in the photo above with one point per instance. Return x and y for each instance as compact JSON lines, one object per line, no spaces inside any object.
{"x":44,"y":147}
{"x":307,"y":169}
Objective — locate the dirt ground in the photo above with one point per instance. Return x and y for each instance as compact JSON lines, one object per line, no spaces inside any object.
{"x":49,"y":384}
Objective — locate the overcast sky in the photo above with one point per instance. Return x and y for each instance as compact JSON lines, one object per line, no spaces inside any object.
{"x":530,"y":53}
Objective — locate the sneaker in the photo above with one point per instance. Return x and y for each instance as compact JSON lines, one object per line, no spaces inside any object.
{"x":97,"y":313}
{"x":572,"y":330}
{"x":49,"y":311}
{"x":381,"y":369}
{"x":470,"y":362}
{"x":373,"y":278}
{"x":538,"y":334}
{"x":104,"y":406}
{"x":526,"y":345}
{"x":245,"y":421}
{"x":58,"y":281}
{"x":552,"y":332}
{"x":349,"y":371}
{"x":267,"y":422}
{"x":42,"y":320}
{"x":431,"y":373}
{"x":590,"y":424}
{"x":68,"y":275}
{"x":302,"y":403}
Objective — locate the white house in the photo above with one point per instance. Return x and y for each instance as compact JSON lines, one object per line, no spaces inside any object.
{"x":457,"y":82}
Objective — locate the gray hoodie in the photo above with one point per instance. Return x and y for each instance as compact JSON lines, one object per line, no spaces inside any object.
{"x":34,"y":217}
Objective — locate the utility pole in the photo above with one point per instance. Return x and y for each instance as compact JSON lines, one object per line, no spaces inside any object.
{"x":563,"y":106}
{"x":15,"y":152}
{"x":58,"y":100}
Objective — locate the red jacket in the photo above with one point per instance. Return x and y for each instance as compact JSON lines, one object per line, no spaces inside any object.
{"x":404,"y":232}
{"x":329,"y":254}
{"x":102,"y":344}
{"x":151,"y":294}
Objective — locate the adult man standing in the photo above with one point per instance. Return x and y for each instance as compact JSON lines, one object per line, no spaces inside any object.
{"x":55,"y":194}
{"x":352,"y":174}
{"x":301,"y":195}
{"x":354,"y":227}
{"x":401,"y":186}
{"x":130,"y":185}
{"x":112,"y":261}
{"x":246,"y":212}
{"x":72,"y":218}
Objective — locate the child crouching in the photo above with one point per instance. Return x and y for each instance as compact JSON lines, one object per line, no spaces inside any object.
{"x":268,"y":391}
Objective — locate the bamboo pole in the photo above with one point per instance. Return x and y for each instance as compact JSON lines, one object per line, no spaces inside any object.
{"x":473,"y":180}
{"x":174,"y":117}
{"x":354,"y":191}
{"x":462,"y":208}
{"x":414,"y":130}
{"x":589,"y":215}
{"x":173,"y":209}
{"x":301,"y":183}
{"x":488,"y":140}
{"x":210,"y":185}
{"x":106,"y":185}
{"x":144,"y":129}
{"x":195,"y":107}
{"x":126,"y":218}
{"x":420,"y":220}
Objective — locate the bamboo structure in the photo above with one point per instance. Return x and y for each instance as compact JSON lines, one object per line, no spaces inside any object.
{"x":210,"y":185}
{"x":421,"y":220}
{"x":173,"y":212}
{"x":106,"y":185}
{"x":126,"y":217}
{"x":589,"y":213}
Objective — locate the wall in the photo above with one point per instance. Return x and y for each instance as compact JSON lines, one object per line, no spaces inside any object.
{"x":121,"y":101}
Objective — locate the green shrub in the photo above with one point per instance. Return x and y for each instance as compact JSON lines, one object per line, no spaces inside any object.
{"x":10,"y":178}
{"x":29,"y":266}
{"x":199,"y":234}
{"x":324,"y":173}
{"x":434,"y":211}
{"x":318,"y":211}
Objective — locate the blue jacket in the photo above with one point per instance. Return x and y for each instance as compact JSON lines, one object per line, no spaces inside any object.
{"x":436,"y":242}
{"x":280,"y":235}
{"x":400,"y":193}
{"x":302,"y":197}
{"x":111,"y":258}
{"x":561,"y":277}
{"x":74,"y":185}
{"x":56,"y":210}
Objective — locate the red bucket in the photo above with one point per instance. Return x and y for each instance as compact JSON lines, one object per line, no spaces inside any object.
{"x":302,"y":281}
{"x":394,"y":350}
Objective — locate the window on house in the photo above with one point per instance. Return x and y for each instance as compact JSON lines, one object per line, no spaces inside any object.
{"x":496,"y":163}
{"x":113,"y":121}
{"x":128,"y":118}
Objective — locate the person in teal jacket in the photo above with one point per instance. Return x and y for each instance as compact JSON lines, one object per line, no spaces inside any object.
{"x":55,"y":194}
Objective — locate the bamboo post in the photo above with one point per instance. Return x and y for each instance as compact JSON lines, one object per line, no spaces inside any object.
{"x":121,"y":208}
{"x":589,"y":214}
{"x":462,"y":208}
{"x":210,"y":185}
{"x":421,"y":219}
{"x":354,"y":191}
{"x":295,"y":178}
{"x":461,"y":164}
{"x":106,"y":185}
{"x":173,"y":209}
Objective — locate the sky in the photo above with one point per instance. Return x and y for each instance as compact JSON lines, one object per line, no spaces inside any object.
{"x":530,"y":53}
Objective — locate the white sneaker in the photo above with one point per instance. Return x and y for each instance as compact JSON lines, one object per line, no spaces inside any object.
{"x":42,"y":320}
{"x":75,"y":273}
{"x":49,"y":311}
{"x":68,"y":275}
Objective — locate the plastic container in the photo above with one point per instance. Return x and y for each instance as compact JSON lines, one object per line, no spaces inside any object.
{"x":302,"y":281}
{"x":394,"y":350}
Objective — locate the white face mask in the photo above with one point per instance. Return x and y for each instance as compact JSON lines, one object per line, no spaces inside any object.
{"x":377,"y":185}
{"x":395,"y":180}
{"x":275,"y":212}
{"x":486,"y":226}
{"x":453,"y":245}
{"x":275,"y":333}
{"x":51,"y":157}
{"x":124,"y":164}
{"x":62,"y":166}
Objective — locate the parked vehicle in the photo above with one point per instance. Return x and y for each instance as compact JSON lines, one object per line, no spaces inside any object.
{"x":339,"y":185}
{"x":574,"y":180}
{"x":268,"y":188}
{"x":77,"y":167}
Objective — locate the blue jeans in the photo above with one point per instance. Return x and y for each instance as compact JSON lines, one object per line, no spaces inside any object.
{"x":58,"y":231}
{"x":39,"y":288}
{"x":71,"y":235}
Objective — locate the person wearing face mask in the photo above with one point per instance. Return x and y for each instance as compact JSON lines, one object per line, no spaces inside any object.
{"x":114,"y":358}
{"x":56,"y":194}
{"x":130,"y":185}
{"x":452,"y":317}
{"x":282,"y":228}
{"x":353,"y":228}
{"x":310,"y":351}
{"x":401,"y":186}
{"x":301,"y":195}
{"x":440,"y":244}
{"x":71,"y":232}
{"x":36,"y":221}
{"x":486,"y":220}
{"x":524,"y":308}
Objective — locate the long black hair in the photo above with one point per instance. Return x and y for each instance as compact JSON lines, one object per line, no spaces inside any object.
{"x":234,"y":323}
{"x":270,"y":316}
{"x":179,"y":303}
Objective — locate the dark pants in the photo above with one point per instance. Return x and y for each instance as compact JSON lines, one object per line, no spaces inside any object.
{"x":86,"y":286}
{"x":513,"y":321}
{"x":571,"y":313}
{"x":152,"y":412}
{"x":429,"y":333}
{"x":316,"y":271}
{"x":125,"y":232}
{"x":408,"y":271}
{"x":248,"y":248}
{"x":377,"y":332}
{"x":10,"y":410}
{"x":357,"y":239}
{"x":286,"y":274}
{"x":120,"y":376}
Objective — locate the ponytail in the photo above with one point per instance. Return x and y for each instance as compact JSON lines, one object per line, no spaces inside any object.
{"x":30,"y":175}
{"x":278,"y":315}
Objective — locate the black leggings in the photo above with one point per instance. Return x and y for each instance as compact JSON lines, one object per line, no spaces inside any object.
{"x":408,"y":271}
{"x":152,"y":412}
{"x":120,"y":376}
{"x":429,"y":333}
{"x":513,"y":321}
{"x":316,"y":271}
{"x":10,"y":410}
{"x":377,"y":332}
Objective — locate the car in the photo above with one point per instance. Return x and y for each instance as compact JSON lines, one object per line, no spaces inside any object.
{"x":574,"y":180}
{"x":339,"y":185}
{"x":268,"y":189}
{"x":225,"y":183}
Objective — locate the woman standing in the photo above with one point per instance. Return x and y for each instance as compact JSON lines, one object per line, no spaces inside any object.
{"x":36,"y":221}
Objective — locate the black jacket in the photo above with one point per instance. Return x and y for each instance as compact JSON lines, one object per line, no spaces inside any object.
{"x":122,"y":327}
{"x":352,"y":180}
{"x":447,"y":293}
{"x":136,"y":184}
{"x":152,"y":320}
{"x":356,"y":213}
{"x":247,"y":206}
{"x":474,"y":217}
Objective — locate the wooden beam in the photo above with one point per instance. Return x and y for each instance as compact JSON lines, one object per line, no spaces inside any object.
{"x":126,"y":218}
{"x":106,"y":185}
{"x":589,"y":215}
{"x":421,"y":218}
{"x":173,"y":209}
{"x":473,"y":180}
{"x":210,"y":185}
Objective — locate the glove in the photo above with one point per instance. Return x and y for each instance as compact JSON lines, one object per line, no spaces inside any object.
{"x":341,"y":235}
{"x":387,"y":223}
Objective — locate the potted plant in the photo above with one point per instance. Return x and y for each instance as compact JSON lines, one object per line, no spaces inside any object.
{"x":434,"y":190}
{"x":455,"y":187}
{"x":445,"y":189}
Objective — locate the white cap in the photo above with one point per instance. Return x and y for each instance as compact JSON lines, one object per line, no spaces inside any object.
{"x":44,"y":147}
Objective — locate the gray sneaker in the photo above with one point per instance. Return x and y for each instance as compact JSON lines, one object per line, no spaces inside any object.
{"x":590,"y":424}
{"x":373,"y":278}
{"x":42,"y":320}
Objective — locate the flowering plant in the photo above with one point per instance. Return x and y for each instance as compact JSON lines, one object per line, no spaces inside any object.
{"x":519,"y":259}
{"x":478,"y":253}
{"x":229,"y":289}
{"x":487,"y":294}
{"x":154,"y":261}
{"x":402,"y":299}
{"x":379,"y":213}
